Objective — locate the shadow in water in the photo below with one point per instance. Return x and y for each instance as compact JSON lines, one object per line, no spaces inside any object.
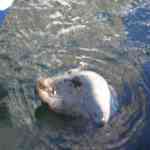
{"x":5,"y":120}
{"x":58,"y":121}
{"x":3,"y":90}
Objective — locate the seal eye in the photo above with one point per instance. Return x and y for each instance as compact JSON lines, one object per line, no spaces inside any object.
{"x":76,"y":82}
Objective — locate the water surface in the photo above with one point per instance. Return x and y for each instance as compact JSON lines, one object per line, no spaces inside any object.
{"x":50,"y":36}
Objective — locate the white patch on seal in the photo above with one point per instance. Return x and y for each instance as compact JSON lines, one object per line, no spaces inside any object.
{"x":101,"y":93}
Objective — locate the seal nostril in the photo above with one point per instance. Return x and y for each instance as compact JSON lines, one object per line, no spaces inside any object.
{"x":51,"y":90}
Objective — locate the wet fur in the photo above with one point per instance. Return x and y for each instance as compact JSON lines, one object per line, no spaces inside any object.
{"x":78,"y":93}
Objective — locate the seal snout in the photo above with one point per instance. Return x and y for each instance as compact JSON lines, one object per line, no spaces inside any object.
{"x":45,"y":88}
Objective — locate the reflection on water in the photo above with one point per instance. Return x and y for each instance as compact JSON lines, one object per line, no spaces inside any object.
{"x":138,"y":26}
{"x":49,"y":37}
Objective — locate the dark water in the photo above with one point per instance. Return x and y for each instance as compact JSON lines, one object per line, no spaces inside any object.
{"x":50,"y":36}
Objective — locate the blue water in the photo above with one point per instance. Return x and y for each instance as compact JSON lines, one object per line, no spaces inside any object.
{"x":3,"y":14}
{"x":138,"y":28}
{"x":137,"y":25}
{"x":142,"y":142}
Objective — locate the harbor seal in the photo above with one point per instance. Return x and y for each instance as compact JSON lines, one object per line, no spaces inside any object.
{"x":78,"y":93}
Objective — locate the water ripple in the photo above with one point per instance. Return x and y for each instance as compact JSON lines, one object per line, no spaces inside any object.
{"x":47,"y":38}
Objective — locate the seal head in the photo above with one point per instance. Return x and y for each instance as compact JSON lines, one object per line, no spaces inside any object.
{"x":80,"y":93}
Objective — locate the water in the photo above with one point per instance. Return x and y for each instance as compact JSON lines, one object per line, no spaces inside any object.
{"x":50,"y":36}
